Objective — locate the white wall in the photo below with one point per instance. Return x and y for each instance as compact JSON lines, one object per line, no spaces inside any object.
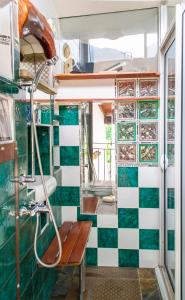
{"x":83,"y":89}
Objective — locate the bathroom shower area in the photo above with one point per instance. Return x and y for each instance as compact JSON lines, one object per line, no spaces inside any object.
{"x":91,"y":152}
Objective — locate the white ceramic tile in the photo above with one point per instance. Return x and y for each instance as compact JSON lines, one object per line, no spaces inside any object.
{"x":149,"y":218}
{"x":56,"y":156}
{"x":107,"y":221}
{"x":170,"y":219}
{"x":128,"y":238}
{"x":70,"y":176}
{"x":170,"y":257}
{"x":93,"y":239}
{"x":148,"y":258}
{"x":107,"y":257}
{"x":149,"y":176}
{"x":69,"y":213}
{"x":69,"y":135}
{"x":170,"y":177}
{"x":128,"y":197}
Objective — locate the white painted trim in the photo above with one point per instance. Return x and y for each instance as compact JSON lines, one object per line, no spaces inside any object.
{"x":167,"y":41}
{"x":178,"y":99}
{"x":164,"y":284}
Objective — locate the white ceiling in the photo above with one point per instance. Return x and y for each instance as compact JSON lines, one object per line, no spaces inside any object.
{"x":68,"y":8}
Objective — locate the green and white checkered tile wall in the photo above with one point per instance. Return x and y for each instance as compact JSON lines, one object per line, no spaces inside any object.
{"x":128,"y":239}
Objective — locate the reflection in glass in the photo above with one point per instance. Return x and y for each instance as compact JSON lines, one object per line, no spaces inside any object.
{"x":98,"y":158}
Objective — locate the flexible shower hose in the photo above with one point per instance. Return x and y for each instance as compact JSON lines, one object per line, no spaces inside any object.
{"x":46,"y":196}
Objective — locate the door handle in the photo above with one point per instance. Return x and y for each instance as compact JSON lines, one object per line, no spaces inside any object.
{"x":164,"y":162}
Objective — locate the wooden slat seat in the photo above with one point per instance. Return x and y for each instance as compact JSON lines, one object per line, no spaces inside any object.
{"x":74,"y":237}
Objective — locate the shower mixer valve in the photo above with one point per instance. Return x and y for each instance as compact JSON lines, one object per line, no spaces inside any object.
{"x":32,"y":210}
{"x":23,"y":179}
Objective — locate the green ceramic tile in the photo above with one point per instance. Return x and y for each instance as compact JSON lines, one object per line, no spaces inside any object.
{"x":171,"y":240}
{"x":26,"y":266}
{"x":44,"y":147}
{"x":7,"y":222}
{"x":148,"y":109}
{"x":7,"y":260}
{"x":148,"y":153}
{"x":128,"y":217}
{"x":56,"y":135}
{"x":7,"y":187}
{"x":126,"y":131}
{"x":48,"y":281}
{"x":21,"y":137}
{"x":45,"y":115}
{"x":68,"y":115}
{"x":27,"y":232}
{"x":85,"y":217}
{"x":127,"y":177}
{"x":149,"y":239}
{"x":20,"y":111}
{"x":129,"y":258}
{"x":91,"y":257}
{"x":43,"y":133}
{"x":28,"y":293}
{"x":58,"y":215}
{"x":107,"y":237}
{"x":171,"y":198}
{"x":69,"y":156}
{"x":149,"y":198}
{"x":37,"y":282}
{"x":8,"y":87}
{"x":8,"y":291}
{"x":68,"y":196}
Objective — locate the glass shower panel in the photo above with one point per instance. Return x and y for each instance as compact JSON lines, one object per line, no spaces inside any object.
{"x":169,"y":162}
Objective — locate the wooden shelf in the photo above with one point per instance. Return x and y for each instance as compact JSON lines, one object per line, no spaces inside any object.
{"x":42,"y":86}
{"x":106,"y":75}
{"x":80,"y":100}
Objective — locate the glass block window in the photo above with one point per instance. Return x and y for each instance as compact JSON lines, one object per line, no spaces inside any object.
{"x":138,"y":132}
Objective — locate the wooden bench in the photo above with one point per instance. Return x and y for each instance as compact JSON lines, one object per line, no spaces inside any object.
{"x":74,"y":237}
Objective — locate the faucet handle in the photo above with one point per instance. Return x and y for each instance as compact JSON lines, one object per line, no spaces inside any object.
{"x":26,"y":179}
{"x":22,"y":179}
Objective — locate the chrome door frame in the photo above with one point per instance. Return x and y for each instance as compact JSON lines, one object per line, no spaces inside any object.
{"x":161,"y":272}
